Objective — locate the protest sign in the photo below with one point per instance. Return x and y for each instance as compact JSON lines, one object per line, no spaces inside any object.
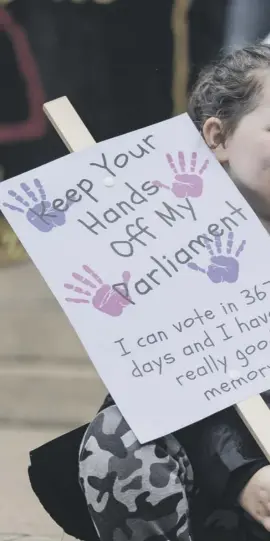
{"x":161,"y":267}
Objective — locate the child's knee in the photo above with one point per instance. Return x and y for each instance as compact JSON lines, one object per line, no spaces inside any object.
{"x":112,"y":459}
{"x":122,"y":479}
{"x":104,"y":444}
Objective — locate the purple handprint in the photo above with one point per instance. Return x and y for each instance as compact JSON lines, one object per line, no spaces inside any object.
{"x":222,"y":268}
{"x":106,"y":298}
{"x":38,"y":211}
{"x":185,"y":184}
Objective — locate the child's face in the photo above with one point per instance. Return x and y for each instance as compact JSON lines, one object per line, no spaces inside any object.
{"x":246,"y":153}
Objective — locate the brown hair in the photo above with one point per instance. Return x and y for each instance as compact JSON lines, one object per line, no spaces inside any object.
{"x":230,"y":88}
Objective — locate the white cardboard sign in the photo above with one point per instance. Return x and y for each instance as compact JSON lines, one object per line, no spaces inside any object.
{"x":160,"y":265}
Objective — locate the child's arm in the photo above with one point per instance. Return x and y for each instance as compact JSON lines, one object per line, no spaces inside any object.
{"x":255,"y":497}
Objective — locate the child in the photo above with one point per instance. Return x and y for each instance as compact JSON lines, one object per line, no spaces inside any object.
{"x":143,"y":492}
{"x":209,"y":481}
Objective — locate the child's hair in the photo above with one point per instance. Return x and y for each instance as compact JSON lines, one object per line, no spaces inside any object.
{"x":230,"y":88}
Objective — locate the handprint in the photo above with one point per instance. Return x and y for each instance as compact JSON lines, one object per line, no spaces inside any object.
{"x":41,"y":214}
{"x":222,"y":268}
{"x":185,"y":184}
{"x":106,"y":298}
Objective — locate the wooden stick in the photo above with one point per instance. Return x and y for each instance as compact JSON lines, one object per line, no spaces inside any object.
{"x":68,"y":124}
{"x":254,"y":411}
{"x":180,"y":55}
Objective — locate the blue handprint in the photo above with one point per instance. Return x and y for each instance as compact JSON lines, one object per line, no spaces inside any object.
{"x":222,"y":268}
{"x":40,"y":214}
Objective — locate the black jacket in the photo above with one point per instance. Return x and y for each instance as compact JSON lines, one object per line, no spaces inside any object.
{"x":224,"y":457}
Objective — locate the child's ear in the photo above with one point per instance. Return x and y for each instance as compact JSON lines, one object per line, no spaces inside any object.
{"x":212,"y":133}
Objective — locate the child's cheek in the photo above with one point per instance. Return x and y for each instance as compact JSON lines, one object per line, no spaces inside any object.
{"x":244,"y":169}
{"x":265,"y":153}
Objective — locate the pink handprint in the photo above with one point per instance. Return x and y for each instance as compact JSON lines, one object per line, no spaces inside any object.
{"x":106,"y":298}
{"x":185,"y":184}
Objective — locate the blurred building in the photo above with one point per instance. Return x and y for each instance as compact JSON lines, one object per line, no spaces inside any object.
{"x":246,"y":22}
{"x":113,"y":59}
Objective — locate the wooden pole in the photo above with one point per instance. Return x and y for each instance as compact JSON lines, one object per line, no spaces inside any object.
{"x":180,"y":55}
{"x":254,"y":412}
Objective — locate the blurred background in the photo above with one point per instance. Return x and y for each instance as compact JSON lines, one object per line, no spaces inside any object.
{"x":124,"y":64}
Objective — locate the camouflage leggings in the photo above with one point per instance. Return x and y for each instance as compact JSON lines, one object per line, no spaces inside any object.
{"x":134,"y":492}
